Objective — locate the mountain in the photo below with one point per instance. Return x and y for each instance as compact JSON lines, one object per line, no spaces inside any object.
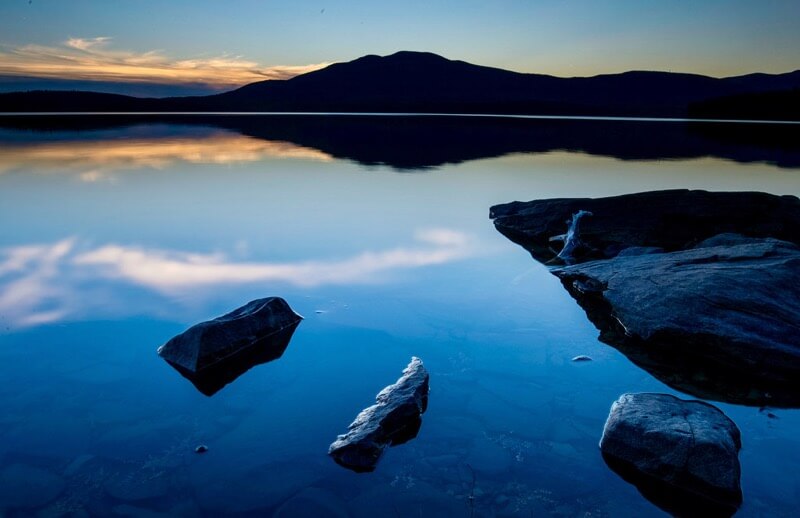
{"x":427,"y":83}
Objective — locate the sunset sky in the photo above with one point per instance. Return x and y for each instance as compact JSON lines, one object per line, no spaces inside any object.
{"x":226,"y":44}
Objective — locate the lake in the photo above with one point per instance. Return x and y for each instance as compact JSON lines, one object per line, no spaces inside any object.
{"x":120,"y":232}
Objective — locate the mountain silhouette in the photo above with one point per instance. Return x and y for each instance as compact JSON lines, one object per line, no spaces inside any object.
{"x":427,"y":83}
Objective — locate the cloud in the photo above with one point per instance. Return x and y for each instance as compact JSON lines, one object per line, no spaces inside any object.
{"x":87,"y":43}
{"x":93,"y":59}
{"x":52,"y":282}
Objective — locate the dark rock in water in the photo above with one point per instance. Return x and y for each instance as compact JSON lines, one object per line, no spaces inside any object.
{"x":201,"y":449}
{"x":682,"y":455}
{"x":214,"y":353}
{"x":670,"y":220}
{"x":394,"y":419}
{"x":720,"y":321}
{"x":700,"y":289}
{"x":582,"y":358}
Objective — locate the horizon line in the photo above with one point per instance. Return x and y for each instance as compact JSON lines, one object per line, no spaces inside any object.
{"x":409,"y":114}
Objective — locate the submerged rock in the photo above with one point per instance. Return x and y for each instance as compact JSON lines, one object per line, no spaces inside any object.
{"x":394,"y":419}
{"x":24,"y":487}
{"x":582,"y":358}
{"x":682,"y":455}
{"x":214,"y":353}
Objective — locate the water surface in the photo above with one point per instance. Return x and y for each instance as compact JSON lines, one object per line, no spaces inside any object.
{"x":117,"y":235}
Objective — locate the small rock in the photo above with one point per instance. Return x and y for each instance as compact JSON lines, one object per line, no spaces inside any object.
{"x":582,"y":358}
{"x":209,"y":342}
{"x":215,"y":353}
{"x":394,"y":419}
{"x":201,"y":449}
{"x":667,"y":446}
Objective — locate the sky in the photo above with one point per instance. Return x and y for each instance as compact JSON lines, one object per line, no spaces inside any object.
{"x":226,"y":44}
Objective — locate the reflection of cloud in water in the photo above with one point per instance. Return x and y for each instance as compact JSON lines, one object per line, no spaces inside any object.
{"x":29,"y":293}
{"x":94,"y":159}
{"x":47,"y":283}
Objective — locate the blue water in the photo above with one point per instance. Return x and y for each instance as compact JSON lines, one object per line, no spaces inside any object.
{"x":114,"y":240}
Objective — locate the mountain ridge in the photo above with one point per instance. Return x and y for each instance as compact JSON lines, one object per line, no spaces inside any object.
{"x":424,"y":82}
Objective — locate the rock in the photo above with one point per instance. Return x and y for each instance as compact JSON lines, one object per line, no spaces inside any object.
{"x":670,"y":220}
{"x":582,"y":358}
{"x":700,"y":289}
{"x":25,"y":487}
{"x":684,"y":450}
{"x":719,"y":321}
{"x":201,"y":449}
{"x":214,"y":353}
{"x":394,"y":419}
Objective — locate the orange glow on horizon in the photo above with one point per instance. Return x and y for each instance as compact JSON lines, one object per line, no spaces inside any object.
{"x":90,"y":59}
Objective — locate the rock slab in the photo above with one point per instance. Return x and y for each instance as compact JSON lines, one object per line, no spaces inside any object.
{"x":395,"y":418}
{"x":669,"y":220}
{"x":689,"y":446}
{"x":731,"y":302}
{"x":208,"y":343}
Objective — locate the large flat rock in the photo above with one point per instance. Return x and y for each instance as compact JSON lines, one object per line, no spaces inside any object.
{"x":701,"y":289}
{"x":394,"y":419}
{"x":682,"y":455}
{"x":670,"y":220}
{"x":730,"y":307}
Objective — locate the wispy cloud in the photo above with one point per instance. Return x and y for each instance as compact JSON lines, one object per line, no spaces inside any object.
{"x":94,"y":59}
{"x":52,"y":282}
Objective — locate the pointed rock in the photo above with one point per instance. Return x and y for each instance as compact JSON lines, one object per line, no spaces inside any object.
{"x":394,"y":419}
{"x":214,"y":353}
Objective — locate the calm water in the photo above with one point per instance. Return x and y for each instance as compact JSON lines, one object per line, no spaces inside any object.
{"x":115,"y":238}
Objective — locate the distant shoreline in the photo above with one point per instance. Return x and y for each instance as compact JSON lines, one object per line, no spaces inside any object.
{"x":395,"y":114}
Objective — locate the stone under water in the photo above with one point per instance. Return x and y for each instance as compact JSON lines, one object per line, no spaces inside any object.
{"x":394,"y":419}
{"x":682,"y":455}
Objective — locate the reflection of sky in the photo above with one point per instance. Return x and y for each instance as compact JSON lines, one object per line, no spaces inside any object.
{"x":47,"y":283}
{"x":184,"y":231}
{"x":95,"y":276}
{"x":97,"y":159}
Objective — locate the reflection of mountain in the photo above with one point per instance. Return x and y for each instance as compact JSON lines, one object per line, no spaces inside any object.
{"x":418,"y":142}
{"x":700,"y":289}
{"x":426,"y":83}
